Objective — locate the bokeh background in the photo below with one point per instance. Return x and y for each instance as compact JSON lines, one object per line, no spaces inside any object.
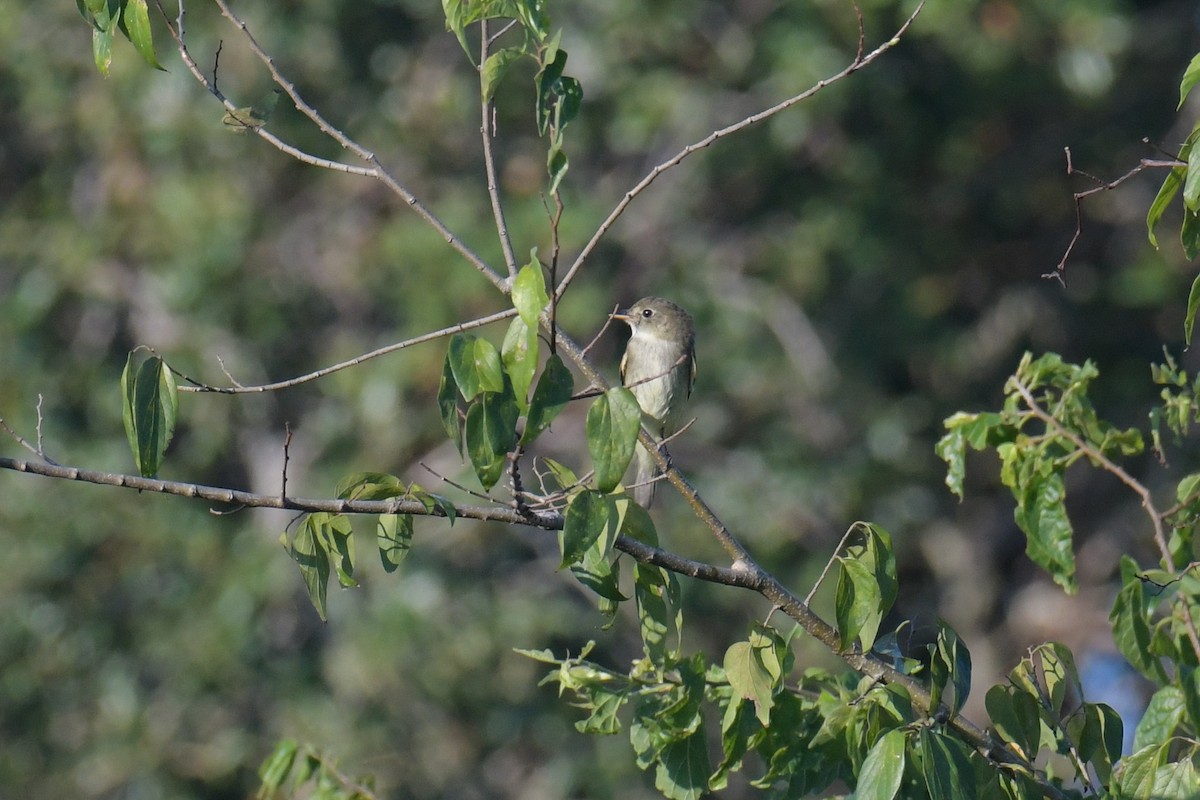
{"x":860,"y":267}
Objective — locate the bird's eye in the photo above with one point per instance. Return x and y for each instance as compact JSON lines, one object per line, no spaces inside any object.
{"x":647,"y":313}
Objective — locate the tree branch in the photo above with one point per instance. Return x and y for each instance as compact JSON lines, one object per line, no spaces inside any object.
{"x":376,"y":170}
{"x":489,"y":163}
{"x":858,"y":63}
{"x":199,"y":386}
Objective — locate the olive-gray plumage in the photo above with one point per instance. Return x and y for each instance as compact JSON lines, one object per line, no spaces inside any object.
{"x":659,"y":367}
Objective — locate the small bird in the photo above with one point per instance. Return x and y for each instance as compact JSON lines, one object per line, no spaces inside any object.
{"x":659,"y":367}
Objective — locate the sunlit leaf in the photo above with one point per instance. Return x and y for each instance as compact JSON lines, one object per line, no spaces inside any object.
{"x":519,"y":355}
{"x":136,"y":21}
{"x":495,"y":68}
{"x":883,"y":768}
{"x":476,"y":365}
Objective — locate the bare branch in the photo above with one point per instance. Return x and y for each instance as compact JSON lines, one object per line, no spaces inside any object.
{"x":487,"y":131}
{"x":375,"y":170}
{"x":857,"y":64}
{"x":1104,"y":186}
{"x":237,"y":388}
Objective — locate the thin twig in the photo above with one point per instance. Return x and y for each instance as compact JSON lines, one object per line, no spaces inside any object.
{"x":237,"y":388}
{"x":829,"y":564}
{"x":287,"y":443}
{"x":375,"y":170}
{"x":457,"y":485}
{"x":860,"y":61}
{"x":1078,"y":198}
{"x":486,"y":130}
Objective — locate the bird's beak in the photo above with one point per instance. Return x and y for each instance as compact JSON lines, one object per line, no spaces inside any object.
{"x":621,"y":315}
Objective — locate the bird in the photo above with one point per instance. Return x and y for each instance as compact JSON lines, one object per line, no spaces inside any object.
{"x":659,"y":367}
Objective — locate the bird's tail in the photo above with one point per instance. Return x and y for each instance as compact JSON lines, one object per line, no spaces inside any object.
{"x":646,"y":472}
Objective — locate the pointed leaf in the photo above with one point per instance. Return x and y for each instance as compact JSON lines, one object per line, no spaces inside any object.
{"x":520,"y":355}
{"x":150,"y":404}
{"x":613,"y":422}
{"x":136,"y":21}
{"x":1168,"y":190}
{"x":550,"y":397}
{"x":1190,"y":76}
{"x":394,"y":534}
{"x":883,"y":768}
{"x":475,"y":364}
{"x":495,"y":68}
{"x":447,"y":398}
{"x":586,"y":519}
{"x":308,"y":551}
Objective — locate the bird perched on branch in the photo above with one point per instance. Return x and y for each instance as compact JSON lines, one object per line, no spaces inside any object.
{"x":659,"y":367}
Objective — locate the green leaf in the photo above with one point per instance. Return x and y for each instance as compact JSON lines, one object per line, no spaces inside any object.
{"x":946,"y":767}
{"x":337,"y":536}
{"x":562,"y":475}
{"x":636,"y":522}
{"x":958,"y":661}
{"x":1134,"y":776}
{"x":495,"y":68}
{"x":520,"y":355}
{"x":136,"y":21}
{"x":1189,"y":233}
{"x":683,"y":767}
{"x":529,"y":292}
{"x":857,"y":604}
{"x":1161,"y":718}
{"x":149,"y":407}
{"x":1170,"y":187}
{"x":750,"y":678}
{"x":883,"y":768}
{"x":613,"y":422}
{"x":102,"y":41}
{"x":550,"y":397}
{"x":308,"y":550}
{"x":491,"y":434}
{"x":1190,"y":76}
{"x":1059,"y":673}
{"x":241,"y":120}
{"x":1131,"y":626}
{"x":394,"y":535}
{"x":447,"y":398}
{"x":475,"y":364}
{"x":588,"y":516}
{"x":1177,"y":781}
{"x":1014,"y":715}
{"x":1191,"y":180}
{"x":655,"y":591}
{"x":456,"y":22}
{"x":553,"y":63}
{"x":1101,"y":739}
{"x":557,"y":164}
{"x":1041,"y":513}
{"x":275,"y":768}
{"x":1193,"y":305}
{"x":370,"y":486}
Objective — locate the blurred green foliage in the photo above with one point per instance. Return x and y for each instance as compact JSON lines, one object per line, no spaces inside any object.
{"x":859,"y":267}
